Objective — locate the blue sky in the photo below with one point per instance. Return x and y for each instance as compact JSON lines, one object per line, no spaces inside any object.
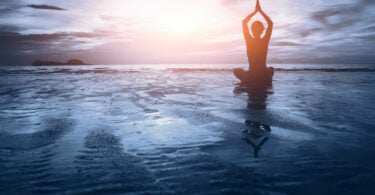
{"x":183,"y":31}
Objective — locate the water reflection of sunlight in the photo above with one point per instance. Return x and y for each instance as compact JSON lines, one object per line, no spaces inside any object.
{"x":171,"y":132}
{"x":165,"y":121}
{"x":291,"y":134}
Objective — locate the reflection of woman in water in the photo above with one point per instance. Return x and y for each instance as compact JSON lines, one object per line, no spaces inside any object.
{"x":257,"y":49}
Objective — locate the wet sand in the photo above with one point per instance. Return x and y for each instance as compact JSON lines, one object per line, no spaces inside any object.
{"x":101,"y":130}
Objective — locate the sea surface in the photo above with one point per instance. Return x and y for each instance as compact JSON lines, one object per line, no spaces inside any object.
{"x":186,"y":129}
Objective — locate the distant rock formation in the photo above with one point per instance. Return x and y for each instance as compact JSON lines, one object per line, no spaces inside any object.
{"x":55,"y":63}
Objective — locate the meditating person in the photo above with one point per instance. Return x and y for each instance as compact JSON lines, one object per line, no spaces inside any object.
{"x":257,"y":49}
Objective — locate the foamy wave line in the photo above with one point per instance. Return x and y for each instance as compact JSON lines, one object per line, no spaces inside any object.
{"x":130,"y":70}
{"x":277,"y":69}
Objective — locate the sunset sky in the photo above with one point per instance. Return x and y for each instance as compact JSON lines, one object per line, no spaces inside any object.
{"x":183,"y":31}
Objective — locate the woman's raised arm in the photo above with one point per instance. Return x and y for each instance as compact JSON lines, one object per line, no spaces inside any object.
{"x":245,"y":27}
{"x":269,"y":23}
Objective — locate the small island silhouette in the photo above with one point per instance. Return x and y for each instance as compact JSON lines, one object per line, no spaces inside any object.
{"x":74,"y":62}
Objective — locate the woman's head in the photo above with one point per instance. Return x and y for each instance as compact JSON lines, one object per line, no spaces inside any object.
{"x":257,"y":28}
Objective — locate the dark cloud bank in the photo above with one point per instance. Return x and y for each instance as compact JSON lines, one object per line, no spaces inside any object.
{"x":49,"y":7}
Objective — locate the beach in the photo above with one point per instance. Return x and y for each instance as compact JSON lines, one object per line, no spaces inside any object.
{"x":180,"y":129}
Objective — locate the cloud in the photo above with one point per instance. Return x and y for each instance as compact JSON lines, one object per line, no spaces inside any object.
{"x":9,"y":7}
{"x":337,"y":17}
{"x":47,"y":44}
{"x":49,"y":7}
{"x":285,"y":43}
{"x":10,"y":28}
{"x":341,"y":15}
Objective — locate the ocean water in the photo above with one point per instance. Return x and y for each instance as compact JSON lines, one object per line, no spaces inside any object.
{"x":180,"y":129}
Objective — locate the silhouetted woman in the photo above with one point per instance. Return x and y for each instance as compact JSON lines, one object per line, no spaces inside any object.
{"x":257,"y":49}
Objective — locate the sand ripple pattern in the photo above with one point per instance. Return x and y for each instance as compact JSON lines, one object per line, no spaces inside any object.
{"x":105,"y":168}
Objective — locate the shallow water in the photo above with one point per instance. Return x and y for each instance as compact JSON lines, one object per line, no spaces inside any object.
{"x":136,"y":129}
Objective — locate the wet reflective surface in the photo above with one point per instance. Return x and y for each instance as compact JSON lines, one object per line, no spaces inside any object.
{"x":104,"y":130}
